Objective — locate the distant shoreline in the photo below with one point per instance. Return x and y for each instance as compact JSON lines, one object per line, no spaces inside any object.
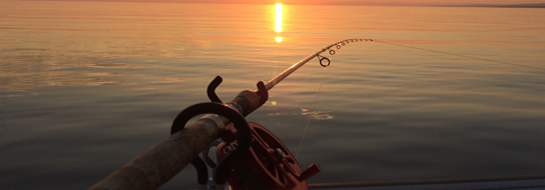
{"x":540,"y":5}
{"x":536,"y":5}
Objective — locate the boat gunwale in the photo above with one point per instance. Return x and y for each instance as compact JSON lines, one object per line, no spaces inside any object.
{"x":528,"y":181}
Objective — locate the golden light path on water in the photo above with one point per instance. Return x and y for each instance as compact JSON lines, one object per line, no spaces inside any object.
{"x":278,"y":21}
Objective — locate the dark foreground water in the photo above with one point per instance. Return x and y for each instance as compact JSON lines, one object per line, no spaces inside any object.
{"x":86,"y":87}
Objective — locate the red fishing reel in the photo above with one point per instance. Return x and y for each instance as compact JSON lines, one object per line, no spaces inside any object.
{"x":267,"y":165}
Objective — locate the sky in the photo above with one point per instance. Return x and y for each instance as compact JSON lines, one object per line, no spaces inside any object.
{"x":364,"y":2}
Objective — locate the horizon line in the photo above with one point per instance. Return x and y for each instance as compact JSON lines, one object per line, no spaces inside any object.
{"x":517,"y":5}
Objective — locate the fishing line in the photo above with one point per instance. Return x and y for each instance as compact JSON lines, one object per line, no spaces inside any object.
{"x":310,"y":113}
{"x":460,"y":55}
{"x":325,"y":62}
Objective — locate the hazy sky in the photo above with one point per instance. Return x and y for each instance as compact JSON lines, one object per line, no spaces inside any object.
{"x":393,"y":2}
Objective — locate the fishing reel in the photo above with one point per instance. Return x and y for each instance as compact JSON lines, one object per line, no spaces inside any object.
{"x":250,"y":156}
{"x":267,"y":165}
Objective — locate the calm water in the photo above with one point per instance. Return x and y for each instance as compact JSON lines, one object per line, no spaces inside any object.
{"x":86,"y":87}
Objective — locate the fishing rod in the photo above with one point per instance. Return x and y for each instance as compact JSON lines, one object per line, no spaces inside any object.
{"x":271,"y":83}
{"x":250,"y":156}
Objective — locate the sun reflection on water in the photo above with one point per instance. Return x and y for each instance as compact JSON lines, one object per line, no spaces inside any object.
{"x":278,"y":18}
{"x":278,"y":21}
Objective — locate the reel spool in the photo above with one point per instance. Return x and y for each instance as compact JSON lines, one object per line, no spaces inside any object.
{"x":267,"y":165}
